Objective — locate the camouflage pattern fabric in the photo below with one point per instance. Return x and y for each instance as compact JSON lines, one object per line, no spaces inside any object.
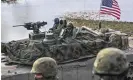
{"x":72,"y":43}
{"x":45,"y":66}
{"x":68,"y":31}
{"x":115,"y":41}
{"x":59,"y":28}
{"x":24,"y":52}
{"x":111,"y":61}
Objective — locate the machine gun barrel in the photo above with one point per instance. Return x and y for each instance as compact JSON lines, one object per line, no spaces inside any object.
{"x":35,"y":26}
{"x":18,"y":25}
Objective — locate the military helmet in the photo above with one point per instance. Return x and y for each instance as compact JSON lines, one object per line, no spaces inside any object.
{"x":70,"y":25}
{"x":61,"y":21}
{"x":46,"y":66}
{"x":65,"y":22}
{"x":110,"y":61}
{"x":56,"y":20}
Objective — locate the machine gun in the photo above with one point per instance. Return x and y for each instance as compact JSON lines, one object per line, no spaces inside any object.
{"x":33,"y":26}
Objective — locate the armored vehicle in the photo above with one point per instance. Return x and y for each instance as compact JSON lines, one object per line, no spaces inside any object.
{"x":74,"y":53}
{"x":83,"y":42}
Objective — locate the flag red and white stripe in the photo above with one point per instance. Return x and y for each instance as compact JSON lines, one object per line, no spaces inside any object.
{"x":114,"y":10}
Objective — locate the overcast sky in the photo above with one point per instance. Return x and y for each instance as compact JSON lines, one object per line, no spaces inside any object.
{"x":126,"y":6}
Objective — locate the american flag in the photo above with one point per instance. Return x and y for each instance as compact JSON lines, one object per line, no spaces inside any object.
{"x":110,"y":7}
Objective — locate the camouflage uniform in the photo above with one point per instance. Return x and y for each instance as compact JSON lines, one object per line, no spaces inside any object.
{"x":64,"y":24}
{"x":115,"y":41}
{"x":111,"y":64}
{"x":68,"y":31}
{"x":58,"y":30}
{"x":61,"y":26}
{"x":46,"y":67}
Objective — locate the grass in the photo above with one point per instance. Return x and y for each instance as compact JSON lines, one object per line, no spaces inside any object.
{"x":126,"y":27}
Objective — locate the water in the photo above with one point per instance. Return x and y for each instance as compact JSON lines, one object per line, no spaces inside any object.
{"x":44,"y":10}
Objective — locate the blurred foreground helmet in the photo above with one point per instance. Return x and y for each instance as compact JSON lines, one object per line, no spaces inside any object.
{"x":56,"y":20}
{"x":45,"y":66}
{"x":110,"y":61}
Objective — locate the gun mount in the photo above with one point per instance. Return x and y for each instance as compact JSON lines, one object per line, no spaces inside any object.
{"x":35,"y":26}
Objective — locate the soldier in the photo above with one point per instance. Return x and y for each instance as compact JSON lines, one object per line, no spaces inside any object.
{"x":115,"y":41}
{"x":56,"y":24}
{"x":58,"y":30}
{"x":61,"y":22}
{"x":111,"y":64}
{"x":64,"y":23}
{"x":45,"y":68}
{"x":68,"y":31}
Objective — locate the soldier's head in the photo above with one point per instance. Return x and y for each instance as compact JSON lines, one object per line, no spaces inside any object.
{"x":70,"y":25}
{"x":111,"y":64}
{"x":61,"y":21}
{"x":56,"y":21}
{"x":44,"y":68}
{"x":65,"y":22}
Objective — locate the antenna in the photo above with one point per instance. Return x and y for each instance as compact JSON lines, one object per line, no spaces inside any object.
{"x":84,"y":5}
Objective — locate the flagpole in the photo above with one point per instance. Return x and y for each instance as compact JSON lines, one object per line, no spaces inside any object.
{"x":100,"y":16}
{"x":84,"y":10}
{"x":84,"y":5}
